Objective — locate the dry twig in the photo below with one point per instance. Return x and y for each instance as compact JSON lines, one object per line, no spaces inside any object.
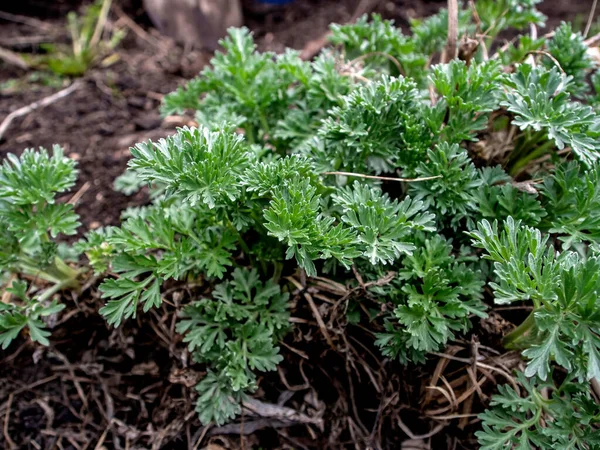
{"x":13,"y":58}
{"x":36,"y":105}
{"x":30,"y":21}
{"x":373,"y":177}
{"x":590,"y":18}
{"x":451,"y":45}
{"x":319,"y":319}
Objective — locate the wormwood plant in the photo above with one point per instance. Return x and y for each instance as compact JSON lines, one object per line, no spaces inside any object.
{"x":378,"y":158}
{"x":30,"y":220}
{"x":90,"y":43}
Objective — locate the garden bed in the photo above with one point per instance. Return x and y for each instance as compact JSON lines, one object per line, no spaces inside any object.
{"x":131,"y":387}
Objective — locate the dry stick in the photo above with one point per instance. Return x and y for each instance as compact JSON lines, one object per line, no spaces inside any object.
{"x":385,"y":55}
{"x":24,"y":40}
{"x":79,"y":193}
{"x":103,"y":436}
{"x":34,"y":23}
{"x":319,"y":319}
{"x":530,"y":59}
{"x":510,"y":379}
{"x":595,"y":387}
{"x":13,"y":58}
{"x":201,"y":437}
{"x":590,"y":18}
{"x":35,"y":105}
{"x":139,"y":31}
{"x":419,"y":437}
{"x":373,"y":177}
{"x":543,"y":53}
{"x":101,"y":22}
{"x":593,"y":40}
{"x":9,"y":441}
{"x":451,"y":47}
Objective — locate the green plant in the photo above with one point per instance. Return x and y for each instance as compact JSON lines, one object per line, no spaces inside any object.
{"x":31,"y":218}
{"x":235,"y":333}
{"x":374,"y":167}
{"x":87,"y":48}
{"x":516,"y":418}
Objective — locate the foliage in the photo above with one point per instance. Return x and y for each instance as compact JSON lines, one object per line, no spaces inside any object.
{"x":516,"y":421}
{"x":498,"y":198}
{"x":379,"y":42}
{"x":451,"y":182}
{"x":433,"y":294}
{"x":294,"y":169}
{"x":235,"y":332}
{"x":563,"y":288}
{"x":540,"y":101}
{"x":15,"y":317}
{"x":571,"y":54}
{"x":572,"y":199}
{"x":87,"y":48}
{"x":467,"y":96}
{"x":32,"y":217}
{"x":378,"y":126}
{"x":497,"y":16}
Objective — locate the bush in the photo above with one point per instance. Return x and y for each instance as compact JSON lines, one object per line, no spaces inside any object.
{"x":380,"y":167}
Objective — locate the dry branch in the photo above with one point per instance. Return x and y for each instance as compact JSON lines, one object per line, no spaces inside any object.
{"x":36,"y":105}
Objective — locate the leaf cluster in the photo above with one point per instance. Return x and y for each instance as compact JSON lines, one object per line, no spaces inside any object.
{"x":294,"y":166}
{"x":517,"y":420}
{"x":234,"y":332}
{"x":564,"y":289}
{"x":25,"y":314}
{"x":433,"y":295}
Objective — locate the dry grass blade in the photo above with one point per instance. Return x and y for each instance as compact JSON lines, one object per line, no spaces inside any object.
{"x":439,"y":427}
{"x":319,"y":319}
{"x":374,"y":177}
{"x":29,"y":21}
{"x":9,"y":441}
{"x":590,"y":20}
{"x":13,"y":58}
{"x":451,"y":46}
{"x":268,"y":410}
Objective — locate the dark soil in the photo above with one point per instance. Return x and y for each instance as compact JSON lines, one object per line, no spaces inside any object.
{"x":101,"y":388}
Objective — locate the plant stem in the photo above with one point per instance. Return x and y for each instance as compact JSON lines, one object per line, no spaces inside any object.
{"x":523,"y":144}
{"x":58,"y":272}
{"x":538,"y":152}
{"x":514,"y":339}
{"x":241,"y":240}
{"x":56,"y":288}
{"x":264,"y":124}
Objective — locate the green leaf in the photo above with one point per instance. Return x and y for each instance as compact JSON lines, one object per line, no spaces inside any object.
{"x":36,"y":177}
{"x":540,"y":101}
{"x":201,"y":166}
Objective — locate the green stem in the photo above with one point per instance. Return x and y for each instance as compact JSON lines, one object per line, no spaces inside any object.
{"x":278,"y":269}
{"x":537,"y":153}
{"x":526,"y":141}
{"x":58,"y":272}
{"x":56,"y":288}
{"x":264,"y":124}
{"x":250,"y":135}
{"x":241,"y":240}
{"x":515,"y":339}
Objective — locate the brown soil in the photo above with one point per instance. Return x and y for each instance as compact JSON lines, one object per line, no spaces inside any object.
{"x":97,"y":387}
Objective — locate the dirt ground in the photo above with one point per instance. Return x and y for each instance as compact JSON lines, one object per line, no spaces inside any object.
{"x":118,"y":388}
